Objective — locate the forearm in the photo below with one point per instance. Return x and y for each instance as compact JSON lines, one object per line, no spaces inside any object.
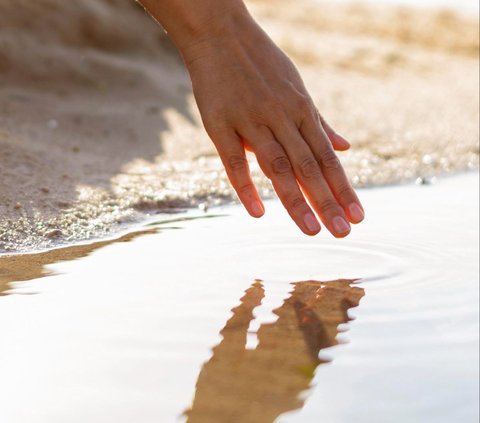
{"x":188,"y":22}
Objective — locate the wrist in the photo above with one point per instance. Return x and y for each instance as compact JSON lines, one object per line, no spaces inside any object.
{"x":192,"y":22}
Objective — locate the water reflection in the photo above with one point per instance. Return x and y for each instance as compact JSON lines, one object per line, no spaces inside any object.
{"x":25,"y":267}
{"x":258,"y":385}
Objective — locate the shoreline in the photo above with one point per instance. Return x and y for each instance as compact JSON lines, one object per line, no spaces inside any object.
{"x":142,"y":222}
{"x":28,"y":265}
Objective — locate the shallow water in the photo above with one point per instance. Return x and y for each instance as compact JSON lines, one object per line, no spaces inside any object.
{"x":125,"y":332}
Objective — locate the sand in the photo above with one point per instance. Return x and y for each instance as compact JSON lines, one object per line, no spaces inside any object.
{"x":201,"y":319}
{"x":98,"y":127}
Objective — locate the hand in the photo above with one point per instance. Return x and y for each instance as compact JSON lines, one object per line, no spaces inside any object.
{"x":251,"y":96}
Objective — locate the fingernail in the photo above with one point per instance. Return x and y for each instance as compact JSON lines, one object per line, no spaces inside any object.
{"x":311,"y":222}
{"x":356,"y":212}
{"x":340,"y":225}
{"x":343,"y":140}
{"x":257,"y":209}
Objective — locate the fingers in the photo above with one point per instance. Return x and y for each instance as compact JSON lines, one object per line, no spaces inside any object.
{"x":339,"y":143}
{"x":331,"y":169}
{"x":301,"y":164}
{"x":275,"y":163}
{"x":232,"y":154}
{"x":309,"y":172}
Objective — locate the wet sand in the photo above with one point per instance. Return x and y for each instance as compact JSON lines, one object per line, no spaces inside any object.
{"x":98,"y":128}
{"x":195,"y":317}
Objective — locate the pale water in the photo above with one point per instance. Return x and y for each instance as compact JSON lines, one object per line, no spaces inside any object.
{"x":122,"y":335}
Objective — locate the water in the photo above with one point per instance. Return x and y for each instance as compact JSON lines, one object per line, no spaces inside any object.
{"x":125,"y":332}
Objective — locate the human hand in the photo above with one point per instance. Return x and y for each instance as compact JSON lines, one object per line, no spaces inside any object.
{"x":251,"y":97}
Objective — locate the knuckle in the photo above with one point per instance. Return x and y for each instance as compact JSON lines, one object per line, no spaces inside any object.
{"x":327,"y":206}
{"x":305,"y":105}
{"x":215,"y":129}
{"x":281,"y":165}
{"x":271,"y":149}
{"x":297,"y":203}
{"x":237,"y":163}
{"x":329,"y":159}
{"x":273,"y":110}
{"x":309,"y":167}
{"x":216,"y":121}
{"x":213,"y":115}
{"x":275,"y":106}
{"x":344,"y":191}
{"x":244,"y":188}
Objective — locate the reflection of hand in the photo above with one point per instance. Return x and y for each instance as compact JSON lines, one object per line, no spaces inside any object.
{"x":257,"y":385}
{"x":251,"y":96}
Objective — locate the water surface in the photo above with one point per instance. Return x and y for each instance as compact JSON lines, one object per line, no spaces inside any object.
{"x":232,"y":317}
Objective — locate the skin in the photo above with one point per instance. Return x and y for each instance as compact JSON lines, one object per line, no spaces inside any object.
{"x":251,"y":97}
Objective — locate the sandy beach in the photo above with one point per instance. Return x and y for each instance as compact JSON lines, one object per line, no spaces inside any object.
{"x":253,"y":329}
{"x":98,"y":128}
